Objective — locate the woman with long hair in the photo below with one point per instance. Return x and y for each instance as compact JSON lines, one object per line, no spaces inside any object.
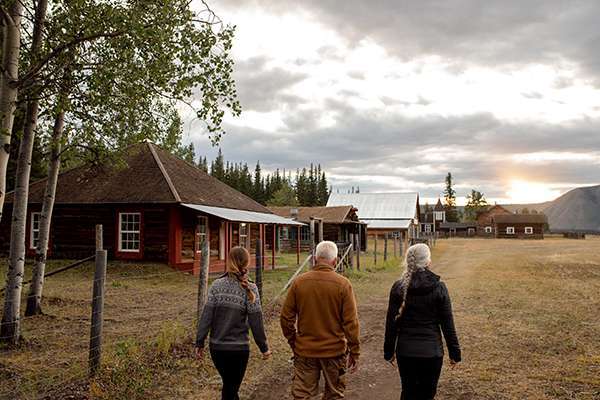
{"x":419,"y":309}
{"x":233,"y":308}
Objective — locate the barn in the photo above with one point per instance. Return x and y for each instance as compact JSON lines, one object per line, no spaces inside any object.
{"x":458,"y":229}
{"x":520,"y":226}
{"x":154,"y":207}
{"x":395,"y":214}
{"x":339,"y":224}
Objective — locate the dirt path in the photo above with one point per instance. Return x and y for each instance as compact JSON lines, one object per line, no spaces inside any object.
{"x":376,"y":379}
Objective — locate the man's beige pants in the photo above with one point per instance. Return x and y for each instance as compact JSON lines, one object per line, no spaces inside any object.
{"x":307,"y":372}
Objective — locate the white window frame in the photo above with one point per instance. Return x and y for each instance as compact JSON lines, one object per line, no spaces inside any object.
{"x":304,"y":234}
{"x":529,"y":230}
{"x":139,"y":232}
{"x":488,"y":229}
{"x":34,"y":233}
{"x":510,"y":230}
{"x":284,"y":233}
{"x":244,"y":237}
{"x":427,"y":228}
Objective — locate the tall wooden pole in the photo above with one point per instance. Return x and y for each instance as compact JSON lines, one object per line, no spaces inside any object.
{"x":95,"y":354}
{"x":298,"y":246}
{"x":273,"y":247}
{"x":375,"y":251}
{"x":385,"y":247}
{"x":358,"y":249}
{"x":259,"y":268}
{"x":312,"y":237}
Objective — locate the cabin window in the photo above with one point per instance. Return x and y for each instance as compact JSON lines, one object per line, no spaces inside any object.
{"x":284,"y":233}
{"x":488,"y":229}
{"x":244,"y":235}
{"x":305,"y":234}
{"x":440,"y":215}
{"x":510,"y":230}
{"x":427,"y":228}
{"x":529,"y":230}
{"x":129,"y":232}
{"x":34,"y":234}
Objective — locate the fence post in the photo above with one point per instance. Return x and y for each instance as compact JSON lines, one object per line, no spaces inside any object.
{"x":385,"y":247}
{"x":259,"y":269}
{"x":312,"y":237}
{"x":97,"y":305}
{"x":375,"y":251}
{"x":202,"y":282}
{"x":350,"y":253}
{"x":358,"y":249}
{"x":395,"y":246}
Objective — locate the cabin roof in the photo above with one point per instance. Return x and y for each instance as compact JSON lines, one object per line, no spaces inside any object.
{"x":145,"y":174}
{"x":329,"y":215}
{"x":379,"y":206}
{"x":520,"y":219}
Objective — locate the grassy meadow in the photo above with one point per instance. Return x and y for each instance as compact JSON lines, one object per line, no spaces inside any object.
{"x":526,"y":311}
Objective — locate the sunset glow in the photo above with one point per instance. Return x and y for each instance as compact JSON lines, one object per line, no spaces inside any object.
{"x":523,"y":192}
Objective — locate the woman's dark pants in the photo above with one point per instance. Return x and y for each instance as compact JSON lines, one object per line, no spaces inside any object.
{"x":232,"y":367}
{"x":419,"y":377}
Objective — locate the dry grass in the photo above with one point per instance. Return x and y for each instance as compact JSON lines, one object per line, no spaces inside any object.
{"x":527,"y":314}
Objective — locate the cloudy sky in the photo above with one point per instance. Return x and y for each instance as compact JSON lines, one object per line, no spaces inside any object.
{"x":391,"y":95}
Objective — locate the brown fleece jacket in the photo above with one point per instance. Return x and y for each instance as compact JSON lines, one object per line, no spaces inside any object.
{"x":321,"y":305}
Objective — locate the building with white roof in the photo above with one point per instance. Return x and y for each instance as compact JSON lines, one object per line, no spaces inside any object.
{"x":384,"y":213}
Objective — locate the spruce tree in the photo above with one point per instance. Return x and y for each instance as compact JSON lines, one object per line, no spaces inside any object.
{"x":258,"y":193}
{"x":450,"y":200}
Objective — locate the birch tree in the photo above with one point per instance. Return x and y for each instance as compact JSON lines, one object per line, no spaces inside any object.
{"x":117,"y":94}
{"x":9,"y":74}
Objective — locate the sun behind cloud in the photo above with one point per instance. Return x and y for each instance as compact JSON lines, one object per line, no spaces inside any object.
{"x":524,"y":192}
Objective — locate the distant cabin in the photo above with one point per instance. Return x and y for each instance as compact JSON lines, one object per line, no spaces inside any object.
{"x":154,"y":206}
{"x":339,"y":225}
{"x":430,"y":220}
{"x":457,"y":229}
{"x":395,"y":214}
{"x":520,"y":226}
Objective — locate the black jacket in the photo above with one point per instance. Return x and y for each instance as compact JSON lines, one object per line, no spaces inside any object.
{"x":417,"y":332}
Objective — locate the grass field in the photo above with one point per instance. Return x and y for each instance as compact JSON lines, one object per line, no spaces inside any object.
{"x":527,"y":314}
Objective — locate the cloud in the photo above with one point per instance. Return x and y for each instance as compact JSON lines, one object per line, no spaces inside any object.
{"x":263,"y":88}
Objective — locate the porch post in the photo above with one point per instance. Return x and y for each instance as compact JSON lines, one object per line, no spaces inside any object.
{"x":298,"y":245}
{"x":273,"y":247}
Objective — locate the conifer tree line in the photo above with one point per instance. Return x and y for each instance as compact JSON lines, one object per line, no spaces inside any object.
{"x":307,"y":187}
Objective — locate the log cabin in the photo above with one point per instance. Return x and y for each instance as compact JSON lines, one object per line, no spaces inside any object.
{"x":520,"y":226}
{"x":153,"y":206}
{"x":458,"y":229}
{"x":339,"y":224}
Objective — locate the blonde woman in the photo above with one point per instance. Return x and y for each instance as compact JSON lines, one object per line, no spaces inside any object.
{"x":419,"y":308}
{"x":232,"y":309}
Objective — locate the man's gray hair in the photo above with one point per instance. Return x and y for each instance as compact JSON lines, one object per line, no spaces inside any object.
{"x":326,"y":250}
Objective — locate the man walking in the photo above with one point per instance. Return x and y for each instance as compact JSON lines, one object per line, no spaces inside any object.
{"x":320,"y":322}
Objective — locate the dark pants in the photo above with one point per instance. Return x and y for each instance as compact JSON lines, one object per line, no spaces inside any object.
{"x":419,"y":377}
{"x":232,"y":367}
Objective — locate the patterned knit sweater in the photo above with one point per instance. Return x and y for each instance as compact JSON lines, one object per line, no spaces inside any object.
{"x":228,"y":315}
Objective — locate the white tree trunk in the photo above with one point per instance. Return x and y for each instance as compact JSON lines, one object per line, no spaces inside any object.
{"x":10,"y":331}
{"x":34,"y":298}
{"x":11,"y":45}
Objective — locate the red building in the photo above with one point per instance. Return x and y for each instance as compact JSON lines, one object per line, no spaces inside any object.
{"x":485,"y":220}
{"x":154,"y":207}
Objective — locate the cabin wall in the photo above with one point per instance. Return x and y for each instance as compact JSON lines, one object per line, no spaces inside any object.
{"x":538,"y":231}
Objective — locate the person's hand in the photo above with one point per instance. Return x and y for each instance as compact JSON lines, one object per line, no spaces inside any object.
{"x":352,"y":364}
{"x":267,"y":355}
{"x":453,"y":364}
{"x":199,"y":353}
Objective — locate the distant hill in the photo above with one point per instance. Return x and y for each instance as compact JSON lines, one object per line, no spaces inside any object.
{"x":539,"y":207}
{"x":578,"y":210}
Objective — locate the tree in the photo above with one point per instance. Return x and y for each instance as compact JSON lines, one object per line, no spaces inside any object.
{"x":11,"y":13}
{"x":258,"y":191}
{"x":476,"y":203}
{"x":217,"y":168}
{"x":285,"y":196}
{"x":125,"y":79}
{"x":323,"y":190}
{"x":450,"y":200}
